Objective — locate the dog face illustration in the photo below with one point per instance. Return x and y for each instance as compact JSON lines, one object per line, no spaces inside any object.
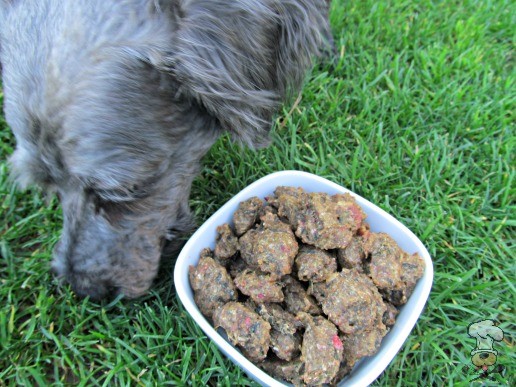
{"x":486,"y":333}
{"x":483,"y":359}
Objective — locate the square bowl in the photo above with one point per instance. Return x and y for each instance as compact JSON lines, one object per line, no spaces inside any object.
{"x":368,"y":368}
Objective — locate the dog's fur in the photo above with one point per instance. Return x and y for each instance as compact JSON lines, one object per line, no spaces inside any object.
{"x":114,"y":102}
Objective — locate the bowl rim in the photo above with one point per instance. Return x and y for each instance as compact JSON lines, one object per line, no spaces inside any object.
{"x":181,"y":283}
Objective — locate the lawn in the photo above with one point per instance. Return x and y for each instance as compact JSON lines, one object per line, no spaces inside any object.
{"x":416,"y":115}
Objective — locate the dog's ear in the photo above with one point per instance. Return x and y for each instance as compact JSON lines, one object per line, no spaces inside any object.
{"x":241,"y":59}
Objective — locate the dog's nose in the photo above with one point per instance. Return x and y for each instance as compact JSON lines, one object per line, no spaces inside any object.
{"x":484,"y":356}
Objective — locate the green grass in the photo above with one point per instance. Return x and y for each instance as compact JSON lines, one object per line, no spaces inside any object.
{"x":416,"y":115}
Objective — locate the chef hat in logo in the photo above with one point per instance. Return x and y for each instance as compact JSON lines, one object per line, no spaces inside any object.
{"x":486,"y":333}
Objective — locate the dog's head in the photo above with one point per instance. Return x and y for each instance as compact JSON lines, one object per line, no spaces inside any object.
{"x":113,"y":106}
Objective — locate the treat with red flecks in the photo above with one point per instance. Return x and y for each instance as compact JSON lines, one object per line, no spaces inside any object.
{"x":322,"y":350}
{"x":261,"y":287}
{"x":271,"y":247}
{"x":211,"y":283}
{"x":309,"y":289}
{"x":244,"y":328}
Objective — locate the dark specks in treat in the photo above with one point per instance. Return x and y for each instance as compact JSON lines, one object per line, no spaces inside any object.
{"x":289,"y":371}
{"x":244,"y":328}
{"x":384,"y":267}
{"x":389,"y":316}
{"x":211,"y":283}
{"x":247,"y":214}
{"x":271,"y":247}
{"x":285,"y":346}
{"x":352,"y":257}
{"x":393,"y":271}
{"x":261,"y":287}
{"x":279,"y":318}
{"x":314,"y":264}
{"x":365,"y":343}
{"x":321,"y":220}
{"x":352,"y":302}
{"x":297,"y":299}
{"x":322,"y":349}
{"x":226,"y":243}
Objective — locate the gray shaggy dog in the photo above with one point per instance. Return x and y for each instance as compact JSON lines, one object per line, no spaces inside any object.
{"x":113,"y":103}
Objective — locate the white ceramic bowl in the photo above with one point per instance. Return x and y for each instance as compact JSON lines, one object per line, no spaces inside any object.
{"x":367,"y":369}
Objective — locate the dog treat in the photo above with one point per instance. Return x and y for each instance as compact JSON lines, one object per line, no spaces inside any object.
{"x":392,"y":270}
{"x":351,"y":301}
{"x":261,"y":287}
{"x":290,"y":371}
{"x":226,"y":243}
{"x":280,"y":319}
{"x":310,"y":289}
{"x":288,"y":201}
{"x":245,"y":329}
{"x":384,"y":267}
{"x":285,"y":346}
{"x":362,"y":344}
{"x":285,"y":342}
{"x":397,"y":297}
{"x":246,"y":215}
{"x":297,"y":299}
{"x":211,"y":283}
{"x":268,"y":208}
{"x":314,"y":264}
{"x":412,"y":269}
{"x":271,"y":247}
{"x":352,"y":257}
{"x":321,"y":351}
{"x":321,"y":220}
{"x":236,"y":266}
{"x":389,"y":316}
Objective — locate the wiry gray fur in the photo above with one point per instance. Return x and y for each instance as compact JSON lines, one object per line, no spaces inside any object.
{"x":114,"y":102}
